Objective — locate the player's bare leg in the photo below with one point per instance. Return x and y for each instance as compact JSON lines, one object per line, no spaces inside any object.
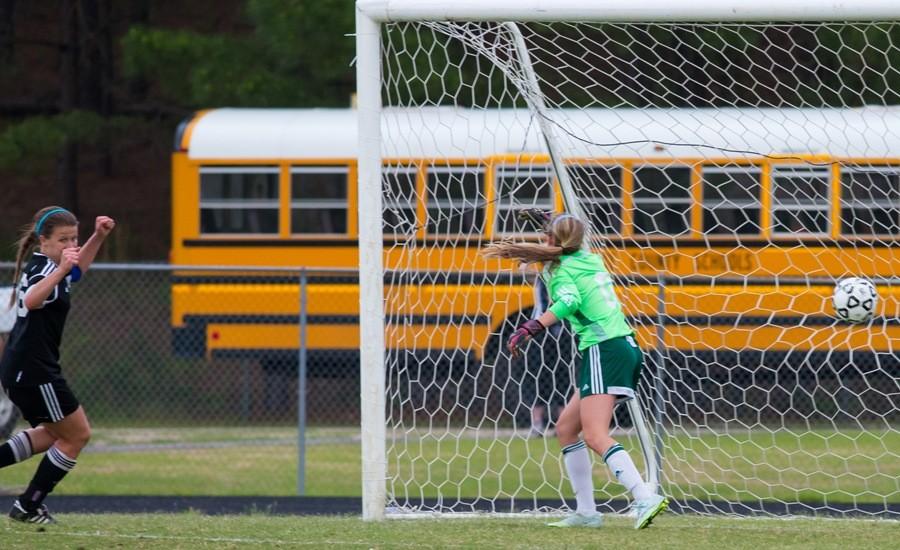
{"x":578,"y":467}
{"x":596,"y":416}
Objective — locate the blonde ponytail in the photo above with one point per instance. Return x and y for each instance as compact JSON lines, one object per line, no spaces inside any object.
{"x":567,"y":236}
{"x":526,"y":253}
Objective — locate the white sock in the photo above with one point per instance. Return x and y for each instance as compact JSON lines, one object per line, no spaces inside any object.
{"x":578,"y":466}
{"x":625,"y":472}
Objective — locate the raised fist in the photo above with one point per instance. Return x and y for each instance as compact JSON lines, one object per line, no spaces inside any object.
{"x":69,"y":259}
{"x":104,"y":225}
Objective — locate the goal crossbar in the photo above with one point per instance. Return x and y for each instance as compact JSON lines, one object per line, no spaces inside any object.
{"x":627,"y":10}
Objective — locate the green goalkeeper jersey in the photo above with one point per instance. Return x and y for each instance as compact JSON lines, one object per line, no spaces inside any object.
{"x":581,"y":291}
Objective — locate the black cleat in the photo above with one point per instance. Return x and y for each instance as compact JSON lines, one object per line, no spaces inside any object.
{"x":40,"y":516}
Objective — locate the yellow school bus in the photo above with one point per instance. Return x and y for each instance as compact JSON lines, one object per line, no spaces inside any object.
{"x":277,"y":187}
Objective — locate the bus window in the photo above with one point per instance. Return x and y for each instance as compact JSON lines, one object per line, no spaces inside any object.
{"x":400,"y":199}
{"x":455,"y":200}
{"x":662,"y":200}
{"x":731,"y":200}
{"x":518,"y":188}
{"x":319,"y":199}
{"x":871,"y":200}
{"x":800,"y":200}
{"x":238,"y":199}
{"x":601,"y":190}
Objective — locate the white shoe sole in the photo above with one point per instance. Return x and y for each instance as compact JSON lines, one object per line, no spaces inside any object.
{"x":646,"y":521}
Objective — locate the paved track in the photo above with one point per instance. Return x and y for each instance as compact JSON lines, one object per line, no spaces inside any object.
{"x":213,"y":505}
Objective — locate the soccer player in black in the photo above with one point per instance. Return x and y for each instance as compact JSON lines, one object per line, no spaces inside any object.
{"x":29,"y":370}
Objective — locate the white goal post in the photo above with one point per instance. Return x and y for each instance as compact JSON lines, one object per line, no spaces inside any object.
{"x":732,"y":159}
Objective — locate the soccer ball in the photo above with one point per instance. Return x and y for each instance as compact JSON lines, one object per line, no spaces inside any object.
{"x":854,"y":299}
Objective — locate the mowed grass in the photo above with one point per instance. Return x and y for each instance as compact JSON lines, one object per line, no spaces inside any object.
{"x":259,"y":531}
{"x":820,"y":466}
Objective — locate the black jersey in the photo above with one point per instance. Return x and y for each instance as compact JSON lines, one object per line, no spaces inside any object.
{"x":31,"y":356}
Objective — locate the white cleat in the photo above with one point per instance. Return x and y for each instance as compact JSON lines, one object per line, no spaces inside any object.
{"x":580,"y":520}
{"x":646,"y":510}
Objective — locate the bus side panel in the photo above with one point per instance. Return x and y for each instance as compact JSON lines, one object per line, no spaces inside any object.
{"x":185,"y":205}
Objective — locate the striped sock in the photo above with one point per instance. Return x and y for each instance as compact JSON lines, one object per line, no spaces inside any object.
{"x":54,"y":466}
{"x":578,"y":467}
{"x":17,"y":449}
{"x":625,"y":472}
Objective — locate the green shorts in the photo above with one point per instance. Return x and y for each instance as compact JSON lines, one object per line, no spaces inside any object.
{"x":611,"y":367}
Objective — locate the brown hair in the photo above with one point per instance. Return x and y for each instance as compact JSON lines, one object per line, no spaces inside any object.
{"x":567,"y":234}
{"x":43,"y":223}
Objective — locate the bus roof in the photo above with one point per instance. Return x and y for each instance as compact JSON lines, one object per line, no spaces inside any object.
{"x":454,"y":132}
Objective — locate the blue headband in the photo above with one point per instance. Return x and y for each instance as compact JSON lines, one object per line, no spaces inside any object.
{"x":37,"y":226}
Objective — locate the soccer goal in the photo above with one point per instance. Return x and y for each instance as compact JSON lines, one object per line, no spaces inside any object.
{"x":733,"y":160}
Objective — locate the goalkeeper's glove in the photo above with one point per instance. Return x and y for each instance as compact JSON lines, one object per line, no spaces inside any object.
{"x":536,"y":216}
{"x":519,"y":339}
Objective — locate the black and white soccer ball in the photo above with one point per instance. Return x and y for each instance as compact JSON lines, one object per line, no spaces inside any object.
{"x":854,"y":300}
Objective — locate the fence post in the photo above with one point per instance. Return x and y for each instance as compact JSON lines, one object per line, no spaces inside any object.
{"x":301,"y":391}
{"x":660,"y":370}
{"x":245,"y":390}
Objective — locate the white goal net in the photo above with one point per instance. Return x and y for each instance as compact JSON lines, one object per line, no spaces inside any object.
{"x":730,"y":174}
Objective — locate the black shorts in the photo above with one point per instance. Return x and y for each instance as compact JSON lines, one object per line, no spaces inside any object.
{"x":50,"y":402}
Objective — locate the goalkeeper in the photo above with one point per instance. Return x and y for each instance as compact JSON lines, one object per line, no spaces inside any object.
{"x":581,"y":291}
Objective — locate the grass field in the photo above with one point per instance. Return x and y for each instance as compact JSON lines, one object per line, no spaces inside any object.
{"x":260,"y":531}
{"x":820,"y":466}
{"x":220,"y":461}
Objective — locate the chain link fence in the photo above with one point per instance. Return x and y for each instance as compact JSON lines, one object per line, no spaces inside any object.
{"x":198,"y":367}
{"x":167,"y":360}
{"x":133,"y":364}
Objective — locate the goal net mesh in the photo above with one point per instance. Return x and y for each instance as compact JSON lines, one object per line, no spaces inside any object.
{"x":729,"y":174}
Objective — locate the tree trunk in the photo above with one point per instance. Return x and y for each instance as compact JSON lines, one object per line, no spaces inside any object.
{"x":139,"y":14}
{"x":67,"y":164}
{"x":89,"y":39}
{"x":95,"y":78}
{"x":7,"y":33}
{"x":107,"y":59}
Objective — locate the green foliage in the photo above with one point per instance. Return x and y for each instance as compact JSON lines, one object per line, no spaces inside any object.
{"x":282,"y":64}
{"x":34,"y":139}
{"x":299,"y":55}
{"x":196,"y":70}
{"x":294,"y":34}
{"x":430,"y":67}
{"x":831,"y":467}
